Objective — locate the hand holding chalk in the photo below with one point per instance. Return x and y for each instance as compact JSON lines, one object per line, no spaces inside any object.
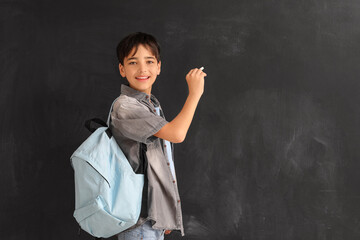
{"x":195,"y":81}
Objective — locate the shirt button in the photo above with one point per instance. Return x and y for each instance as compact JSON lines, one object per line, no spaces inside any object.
{"x":168,"y":164}
{"x":164,"y":145}
{"x":147,"y":96}
{"x":173,"y":181}
{"x":178,"y":201}
{"x":154,"y":110}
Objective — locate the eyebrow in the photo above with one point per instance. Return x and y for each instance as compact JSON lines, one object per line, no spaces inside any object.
{"x":134,"y":58}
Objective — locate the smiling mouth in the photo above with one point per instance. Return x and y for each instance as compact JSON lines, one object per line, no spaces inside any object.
{"x":142,"y":78}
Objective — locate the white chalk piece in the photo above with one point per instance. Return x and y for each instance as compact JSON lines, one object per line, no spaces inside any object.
{"x":202,"y":68}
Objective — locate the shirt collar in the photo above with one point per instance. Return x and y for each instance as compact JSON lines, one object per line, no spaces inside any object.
{"x":140,"y":96}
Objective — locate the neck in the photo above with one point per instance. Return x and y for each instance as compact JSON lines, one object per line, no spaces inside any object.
{"x":148,"y":92}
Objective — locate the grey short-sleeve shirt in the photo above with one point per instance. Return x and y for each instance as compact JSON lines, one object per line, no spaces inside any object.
{"x":133,"y":121}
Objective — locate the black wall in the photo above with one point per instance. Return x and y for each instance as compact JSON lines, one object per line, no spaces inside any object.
{"x":273,"y":151}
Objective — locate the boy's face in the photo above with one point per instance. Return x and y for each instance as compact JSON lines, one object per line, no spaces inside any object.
{"x":140,"y":69}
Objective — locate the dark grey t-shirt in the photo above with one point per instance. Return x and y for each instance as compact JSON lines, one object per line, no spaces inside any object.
{"x":133,"y":121}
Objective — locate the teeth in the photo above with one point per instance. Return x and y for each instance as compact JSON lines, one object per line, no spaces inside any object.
{"x":142,"y":77}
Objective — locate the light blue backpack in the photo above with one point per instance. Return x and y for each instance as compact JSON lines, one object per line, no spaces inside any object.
{"x":107,"y":191}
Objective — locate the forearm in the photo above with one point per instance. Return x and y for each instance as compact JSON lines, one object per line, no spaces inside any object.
{"x":176,"y":130}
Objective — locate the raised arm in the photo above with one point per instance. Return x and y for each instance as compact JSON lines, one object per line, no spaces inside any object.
{"x":176,"y":130}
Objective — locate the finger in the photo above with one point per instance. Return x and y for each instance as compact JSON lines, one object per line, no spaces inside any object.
{"x":195,"y":71}
{"x":200,"y":72}
{"x":192,"y":70}
{"x":189,"y":73}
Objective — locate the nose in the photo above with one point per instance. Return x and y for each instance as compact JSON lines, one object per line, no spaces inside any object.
{"x":142,"y":67}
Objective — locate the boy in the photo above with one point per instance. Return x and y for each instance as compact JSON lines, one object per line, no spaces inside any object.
{"x":137,"y":118}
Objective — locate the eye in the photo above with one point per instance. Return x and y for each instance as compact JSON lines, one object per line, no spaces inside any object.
{"x":150,"y":61}
{"x":132,"y":63}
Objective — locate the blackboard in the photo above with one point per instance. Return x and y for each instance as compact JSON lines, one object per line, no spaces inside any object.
{"x":273,"y":150}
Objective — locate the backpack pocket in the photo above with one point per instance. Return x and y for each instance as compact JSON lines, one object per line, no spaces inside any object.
{"x":96,"y":220}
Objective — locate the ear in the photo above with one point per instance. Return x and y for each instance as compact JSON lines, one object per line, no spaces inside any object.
{"x":159,"y":68}
{"x":121,"y":70}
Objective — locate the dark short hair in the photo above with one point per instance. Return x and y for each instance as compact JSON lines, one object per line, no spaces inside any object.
{"x":133,"y":40}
